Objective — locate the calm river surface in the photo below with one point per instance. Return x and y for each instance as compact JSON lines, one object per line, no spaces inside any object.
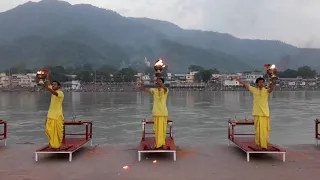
{"x":199,"y":117}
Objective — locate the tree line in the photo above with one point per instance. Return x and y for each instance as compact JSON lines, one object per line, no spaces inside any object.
{"x":303,"y":71}
{"x":105,"y":73}
{"x":85,"y":73}
{"x":205,"y":75}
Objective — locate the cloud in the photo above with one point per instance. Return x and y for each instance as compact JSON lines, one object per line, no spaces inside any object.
{"x":292,"y":21}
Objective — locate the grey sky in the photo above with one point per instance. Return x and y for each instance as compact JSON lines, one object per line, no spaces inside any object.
{"x":293,"y":21}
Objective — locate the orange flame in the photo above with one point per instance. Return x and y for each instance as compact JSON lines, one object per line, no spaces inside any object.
{"x":160,"y":63}
{"x":42,"y":72}
{"x":155,"y":161}
{"x":269,"y":66}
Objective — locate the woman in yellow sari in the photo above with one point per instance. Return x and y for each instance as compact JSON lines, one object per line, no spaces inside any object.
{"x":159,"y":111}
{"x":260,"y":111}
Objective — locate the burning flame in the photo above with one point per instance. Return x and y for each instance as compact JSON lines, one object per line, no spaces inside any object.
{"x":125,"y":167}
{"x":155,"y":161}
{"x":269,"y":66}
{"x":42,"y":72}
{"x":160,"y":63}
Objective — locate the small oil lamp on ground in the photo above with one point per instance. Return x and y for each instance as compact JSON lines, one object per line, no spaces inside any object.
{"x":272,"y":73}
{"x":158,"y":67}
{"x":42,"y":75}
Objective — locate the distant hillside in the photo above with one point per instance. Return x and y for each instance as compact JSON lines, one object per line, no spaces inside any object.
{"x":254,"y":52}
{"x":35,"y":50}
{"x":56,"y":32}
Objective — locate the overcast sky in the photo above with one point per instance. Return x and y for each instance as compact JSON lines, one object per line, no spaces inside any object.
{"x":293,"y":21}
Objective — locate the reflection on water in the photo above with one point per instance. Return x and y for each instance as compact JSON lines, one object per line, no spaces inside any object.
{"x":198,"y":116}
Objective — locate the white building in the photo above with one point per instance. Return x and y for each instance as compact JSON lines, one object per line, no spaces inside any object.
{"x":229,"y":76}
{"x":146,"y":79}
{"x":216,"y":76}
{"x":253,"y":76}
{"x":190,"y":77}
{"x":169,"y":76}
{"x":28,"y":80}
{"x":180,"y":77}
{"x":139,"y":75}
{"x":297,"y":82}
{"x":74,"y":85}
{"x":4,"y":80}
{"x":71,"y":76}
{"x":230,"y":83}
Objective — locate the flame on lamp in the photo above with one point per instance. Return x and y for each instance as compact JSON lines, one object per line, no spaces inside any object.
{"x":159,"y":62}
{"x":158,"y":67}
{"x":41,"y":72}
{"x":272,"y":73}
{"x":269,"y":66}
{"x":42,"y":75}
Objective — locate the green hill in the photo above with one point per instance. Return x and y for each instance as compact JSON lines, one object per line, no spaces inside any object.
{"x":58,"y":33}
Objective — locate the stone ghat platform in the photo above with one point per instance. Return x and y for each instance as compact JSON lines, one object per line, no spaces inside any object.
{"x":205,"y":162}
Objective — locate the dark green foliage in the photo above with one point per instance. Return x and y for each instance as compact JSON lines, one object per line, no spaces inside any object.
{"x":304,"y":72}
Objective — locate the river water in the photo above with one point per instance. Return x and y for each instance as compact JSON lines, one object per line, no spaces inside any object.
{"x":199,"y":117}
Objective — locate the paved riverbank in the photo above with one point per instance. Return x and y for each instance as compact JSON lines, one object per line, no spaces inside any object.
{"x":104,"y":162}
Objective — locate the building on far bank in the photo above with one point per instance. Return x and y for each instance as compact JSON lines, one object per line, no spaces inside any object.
{"x":4,"y":80}
{"x":148,"y":79}
{"x":297,"y":82}
{"x":229,"y":82}
{"x":251,"y":77}
{"x":223,"y":77}
{"x":169,"y":76}
{"x":180,"y":78}
{"x":190,"y":77}
{"x":23,"y":80}
{"x":187,"y":85}
{"x":73,"y":85}
{"x":71,"y":77}
{"x":18,"y":80}
{"x":216,"y":76}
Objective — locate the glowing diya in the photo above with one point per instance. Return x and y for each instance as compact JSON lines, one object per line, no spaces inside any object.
{"x":271,"y":72}
{"x":159,"y":67}
{"x":42,"y":75}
